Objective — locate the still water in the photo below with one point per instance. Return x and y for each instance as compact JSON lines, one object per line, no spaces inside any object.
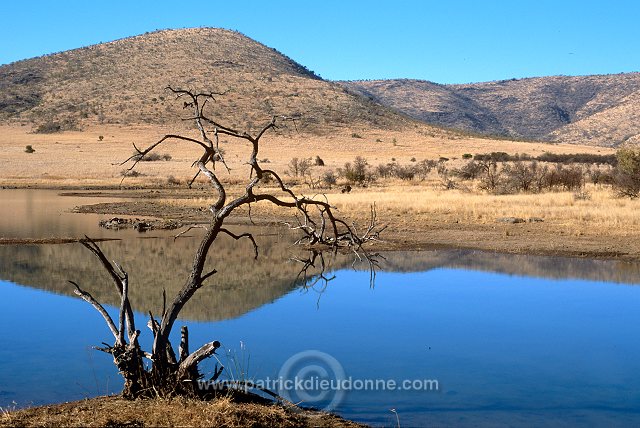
{"x":507,"y":340}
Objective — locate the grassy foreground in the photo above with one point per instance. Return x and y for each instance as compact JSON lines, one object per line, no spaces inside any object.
{"x":115,"y":411}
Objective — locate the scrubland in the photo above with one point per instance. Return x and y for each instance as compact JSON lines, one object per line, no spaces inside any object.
{"x":420,"y":213}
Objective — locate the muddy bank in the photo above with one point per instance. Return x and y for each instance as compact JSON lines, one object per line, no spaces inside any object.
{"x":424,"y":232}
{"x":32,"y":241}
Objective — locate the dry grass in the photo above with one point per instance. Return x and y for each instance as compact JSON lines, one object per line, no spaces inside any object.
{"x":603,"y":211}
{"x":76,"y":158}
{"x":114,"y":411}
{"x":418,"y":213}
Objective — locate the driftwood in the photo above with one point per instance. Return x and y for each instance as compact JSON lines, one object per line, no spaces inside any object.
{"x":168,"y":373}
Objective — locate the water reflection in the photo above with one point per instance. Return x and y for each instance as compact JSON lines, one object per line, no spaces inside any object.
{"x":44,"y":214}
{"x":513,"y":340}
{"x":243,"y":283}
{"x":155,"y":261}
{"x":157,"y":264}
{"x":506,"y":350}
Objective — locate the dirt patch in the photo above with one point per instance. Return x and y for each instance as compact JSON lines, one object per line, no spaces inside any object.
{"x":139,"y":224}
{"x":28,"y":241}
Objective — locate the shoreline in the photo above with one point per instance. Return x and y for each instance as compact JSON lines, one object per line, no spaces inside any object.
{"x":405,"y":231}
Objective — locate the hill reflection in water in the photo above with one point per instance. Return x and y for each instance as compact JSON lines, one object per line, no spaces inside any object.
{"x":242,"y":283}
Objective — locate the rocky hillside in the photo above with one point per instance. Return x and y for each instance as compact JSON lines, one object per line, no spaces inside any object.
{"x":600,"y":110}
{"x":124,"y":82}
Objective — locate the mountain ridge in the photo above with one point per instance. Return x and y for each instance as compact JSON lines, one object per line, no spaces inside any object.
{"x":123,"y":82}
{"x":554,"y":108}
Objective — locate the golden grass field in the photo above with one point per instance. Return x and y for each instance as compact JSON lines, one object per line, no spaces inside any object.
{"x":78,"y":158}
{"x":419,"y":214}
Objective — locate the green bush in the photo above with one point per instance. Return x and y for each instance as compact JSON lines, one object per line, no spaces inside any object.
{"x":356,"y":172}
{"x":329,"y":179}
{"x":627,"y":173}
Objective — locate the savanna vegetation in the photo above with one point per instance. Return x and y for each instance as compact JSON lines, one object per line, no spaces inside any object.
{"x":496,"y":173}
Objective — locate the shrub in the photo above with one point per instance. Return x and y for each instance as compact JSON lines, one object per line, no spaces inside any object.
{"x":490,"y":176}
{"x":385,"y":171}
{"x":356,"y":172}
{"x":469,"y":171}
{"x":627,"y":173}
{"x":318,"y":161}
{"x":100,"y":137}
{"x":299,"y":167}
{"x":585,"y":158}
{"x":424,"y":167}
{"x":578,"y":158}
{"x":467,"y":156}
{"x":267,"y":178}
{"x":355,"y":135}
{"x":172,"y":180}
{"x":48,"y":128}
{"x":153,"y":157}
{"x":329,"y":179}
{"x":519,"y":177}
{"x":404,"y":172}
{"x":29,"y":149}
{"x":567,"y":178}
{"x":493,"y":156}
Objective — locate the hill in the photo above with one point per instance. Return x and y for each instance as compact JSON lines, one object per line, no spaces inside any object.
{"x":598,"y":110}
{"x":123,"y":82}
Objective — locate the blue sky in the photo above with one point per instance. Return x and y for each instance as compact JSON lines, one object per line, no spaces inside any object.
{"x":452,"y":41}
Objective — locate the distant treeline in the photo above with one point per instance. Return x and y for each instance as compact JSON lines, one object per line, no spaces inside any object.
{"x":583,"y":158}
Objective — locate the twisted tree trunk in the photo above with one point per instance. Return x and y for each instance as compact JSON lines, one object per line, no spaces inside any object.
{"x":169,"y":374}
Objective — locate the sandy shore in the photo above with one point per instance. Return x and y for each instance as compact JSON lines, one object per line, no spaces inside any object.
{"x":408,"y":229}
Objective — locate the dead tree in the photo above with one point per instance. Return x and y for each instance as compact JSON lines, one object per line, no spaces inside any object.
{"x":176,"y":373}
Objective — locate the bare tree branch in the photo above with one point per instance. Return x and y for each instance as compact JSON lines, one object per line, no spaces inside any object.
{"x":316,"y":221}
{"x":205,"y":351}
{"x":247,"y":235}
{"x":89,"y":298}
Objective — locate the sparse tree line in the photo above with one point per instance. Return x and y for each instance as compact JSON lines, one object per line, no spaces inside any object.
{"x":497,"y":172}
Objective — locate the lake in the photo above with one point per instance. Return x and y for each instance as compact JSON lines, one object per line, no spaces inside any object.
{"x":444,"y":338}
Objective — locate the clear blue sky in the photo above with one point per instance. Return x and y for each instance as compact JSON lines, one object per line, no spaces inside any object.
{"x":447,"y":41}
